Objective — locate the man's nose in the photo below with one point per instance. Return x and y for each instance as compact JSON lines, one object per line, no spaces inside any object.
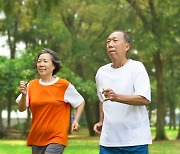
{"x":110,"y":44}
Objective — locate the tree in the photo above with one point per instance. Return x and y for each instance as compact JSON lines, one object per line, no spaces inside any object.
{"x":149,"y":12}
{"x":8,"y":85}
{"x":178,"y":136}
{"x":2,"y":92}
{"x":10,"y":25}
{"x":13,"y":71}
{"x":170,"y":93}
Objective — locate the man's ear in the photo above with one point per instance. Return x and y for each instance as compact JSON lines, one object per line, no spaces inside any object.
{"x":127,"y":46}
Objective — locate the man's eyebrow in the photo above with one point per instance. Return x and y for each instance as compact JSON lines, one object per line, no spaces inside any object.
{"x":109,"y":38}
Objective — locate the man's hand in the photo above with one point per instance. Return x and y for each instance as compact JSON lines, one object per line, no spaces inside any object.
{"x":109,"y":95}
{"x":97,"y":128}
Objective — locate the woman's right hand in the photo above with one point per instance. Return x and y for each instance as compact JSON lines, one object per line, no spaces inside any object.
{"x":23,"y":87}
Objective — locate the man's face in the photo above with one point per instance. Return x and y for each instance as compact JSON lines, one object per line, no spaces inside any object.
{"x":116,"y":45}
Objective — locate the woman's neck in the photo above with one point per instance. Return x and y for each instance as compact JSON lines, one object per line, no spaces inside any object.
{"x":47,"y":79}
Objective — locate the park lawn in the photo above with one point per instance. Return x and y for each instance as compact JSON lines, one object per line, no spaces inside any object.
{"x":14,"y":147}
{"x":86,"y":146}
{"x":165,"y":147}
{"x":171,"y":134}
{"x":81,"y":143}
{"x":89,"y":145}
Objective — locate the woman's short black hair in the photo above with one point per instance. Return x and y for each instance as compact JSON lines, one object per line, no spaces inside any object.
{"x":54,"y":57}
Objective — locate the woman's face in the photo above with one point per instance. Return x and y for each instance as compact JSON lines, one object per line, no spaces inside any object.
{"x":44,"y":65}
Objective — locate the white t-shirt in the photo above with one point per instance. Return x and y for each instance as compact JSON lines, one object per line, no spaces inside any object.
{"x":71,"y":95}
{"x":124,"y":125}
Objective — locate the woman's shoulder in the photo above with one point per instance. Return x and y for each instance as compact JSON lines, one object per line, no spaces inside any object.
{"x":63,"y":81}
{"x":33,"y":81}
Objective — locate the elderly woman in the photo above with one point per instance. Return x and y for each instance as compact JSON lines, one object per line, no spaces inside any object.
{"x":49,"y":99}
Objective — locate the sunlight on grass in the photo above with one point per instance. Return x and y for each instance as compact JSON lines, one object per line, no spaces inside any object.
{"x":164,"y":147}
{"x":89,"y":145}
{"x":14,"y":146}
{"x":170,"y":133}
{"x":14,"y":142}
{"x":81,"y":143}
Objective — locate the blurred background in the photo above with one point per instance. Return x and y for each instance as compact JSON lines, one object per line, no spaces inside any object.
{"x":77,"y":30}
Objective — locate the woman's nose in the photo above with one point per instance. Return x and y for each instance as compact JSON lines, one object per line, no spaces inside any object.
{"x":42,"y":63}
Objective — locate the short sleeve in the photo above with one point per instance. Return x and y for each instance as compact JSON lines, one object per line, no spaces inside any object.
{"x":99,"y":89}
{"x":142,"y":82}
{"x":72,"y":96}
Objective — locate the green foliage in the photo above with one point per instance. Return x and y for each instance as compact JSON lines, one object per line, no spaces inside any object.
{"x":8,"y":78}
{"x":12,"y":72}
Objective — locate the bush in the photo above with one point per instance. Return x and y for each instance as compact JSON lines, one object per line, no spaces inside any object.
{"x":2,"y":134}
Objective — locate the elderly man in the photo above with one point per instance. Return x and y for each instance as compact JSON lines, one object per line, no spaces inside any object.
{"x":123,"y":88}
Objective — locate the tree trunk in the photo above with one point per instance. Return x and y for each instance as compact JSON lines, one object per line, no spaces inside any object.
{"x":92,"y":115}
{"x":12,"y":42}
{"x":160,"y":123}
{"x":178,"y":136}
{"x":172,"y":122}
{"x":1,"y":119}
{"x":150,"y":113}
{"x":171,"y":97}
{"x":9,"y":114}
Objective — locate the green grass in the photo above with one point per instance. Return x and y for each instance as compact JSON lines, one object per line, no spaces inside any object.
{"x":80,"y":143}
{"x":165,"y":147}
{"x":171,"y":134}
{"x":89,"y":145}
{"x":14,"y":147}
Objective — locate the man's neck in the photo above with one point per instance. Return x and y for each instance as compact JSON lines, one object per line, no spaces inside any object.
{"x":120,"y":63}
